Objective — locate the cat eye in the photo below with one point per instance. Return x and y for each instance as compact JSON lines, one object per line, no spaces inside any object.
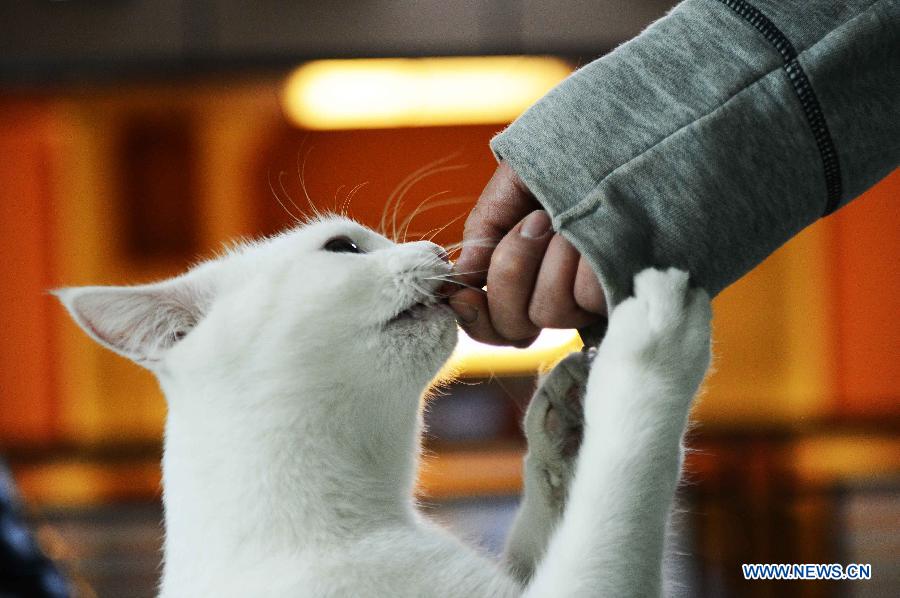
{"x":341,"y":245}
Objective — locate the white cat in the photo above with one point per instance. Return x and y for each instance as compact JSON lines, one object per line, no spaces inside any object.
{"x":294,"y":369}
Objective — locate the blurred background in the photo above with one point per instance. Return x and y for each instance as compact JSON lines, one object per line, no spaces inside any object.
{"x":136,"y":136}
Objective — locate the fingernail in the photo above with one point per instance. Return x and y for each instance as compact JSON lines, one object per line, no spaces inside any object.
{"x":535,"y":225}
{"x":465,"y":313}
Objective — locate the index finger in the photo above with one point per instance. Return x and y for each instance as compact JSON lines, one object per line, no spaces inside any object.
{"x":503,"y":203}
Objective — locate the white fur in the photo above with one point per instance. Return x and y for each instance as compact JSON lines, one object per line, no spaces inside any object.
{"x":609,"y":541}
{"x":292,"y":437}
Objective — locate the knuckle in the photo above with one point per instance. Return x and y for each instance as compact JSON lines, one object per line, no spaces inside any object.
{"x":480,"y":333}
{"x":556,"y":311}
{"x":474,"y":222}
{"x":589,"y":299}
{"x":514,"y":326}
{"x":588,"y":293}
{"x":544,"y":313}
{"x":507,"y":263}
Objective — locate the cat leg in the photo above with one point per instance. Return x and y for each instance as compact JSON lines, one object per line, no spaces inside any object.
{"x":553,"y":427}
{"x":610,"y":539}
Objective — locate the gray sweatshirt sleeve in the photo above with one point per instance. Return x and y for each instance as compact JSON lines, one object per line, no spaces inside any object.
{"x":715,"y":136}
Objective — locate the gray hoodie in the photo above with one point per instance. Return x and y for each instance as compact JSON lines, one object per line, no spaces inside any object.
{"x":715,"y":136}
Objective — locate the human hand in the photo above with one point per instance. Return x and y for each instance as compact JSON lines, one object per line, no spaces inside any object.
{"x":535,"y":278}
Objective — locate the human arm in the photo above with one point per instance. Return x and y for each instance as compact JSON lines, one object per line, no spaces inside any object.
{"x":697,"y":144}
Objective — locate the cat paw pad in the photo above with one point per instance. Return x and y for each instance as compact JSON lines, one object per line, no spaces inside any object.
{"x":554,"y":425}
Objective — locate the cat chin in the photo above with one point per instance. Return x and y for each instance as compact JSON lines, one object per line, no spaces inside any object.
{"x":428,"y":324}
{"x":420,"y":314}
{"x":424,"y":333}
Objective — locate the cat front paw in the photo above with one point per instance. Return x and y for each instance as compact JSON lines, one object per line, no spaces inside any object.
{"x":554,"y":425}
{"x":665,"y":327}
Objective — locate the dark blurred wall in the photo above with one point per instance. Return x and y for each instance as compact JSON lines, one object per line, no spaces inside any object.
{"x":45,"y":41}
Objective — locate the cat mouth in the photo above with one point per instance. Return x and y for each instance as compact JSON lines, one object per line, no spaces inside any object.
{"x":418,"y":310}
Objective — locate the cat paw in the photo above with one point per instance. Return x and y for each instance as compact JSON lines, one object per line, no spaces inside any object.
{"x":554,"y":425}
{"x":665,"y":327}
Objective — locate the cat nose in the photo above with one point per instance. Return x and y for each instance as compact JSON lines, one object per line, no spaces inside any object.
{"x":441,"y":253}
{"x":434,"y":248}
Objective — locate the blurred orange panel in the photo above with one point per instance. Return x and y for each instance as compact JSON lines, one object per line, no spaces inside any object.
{"x":846,"y":457}
{"x":867,"y":258}
{"x":76,"y":482}
{"x":471,"y":472}
{"x":773,"y":334}
{"x":26,"y":351}
{"x":442,"y":167}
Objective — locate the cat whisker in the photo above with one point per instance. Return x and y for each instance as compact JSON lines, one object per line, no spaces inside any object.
{"x":345,"y":207}
{"x":422,"y":208}
{"x":336,"y":193}
{"x":457,"y":282}
{"x":454,"y":277}
{"x":281,"y":176}
{"x":429,"y":265}
{"x":400,"y":189}
{"x":426,"y":293}
{"x":470,"y":272}
{"x":395,"y":199}
{"x":293,"y":216}
{"x":454,"y":247}
{"x":400,"y":198}
{"x":404,"y":226}
{"x":441,"y":229}
{"x":301,"y":173}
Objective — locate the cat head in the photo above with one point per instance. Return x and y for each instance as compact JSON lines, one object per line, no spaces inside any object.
{"x":330,"y":302}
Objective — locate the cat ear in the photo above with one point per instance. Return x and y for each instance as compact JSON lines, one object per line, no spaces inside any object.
{"x":140,"y":322}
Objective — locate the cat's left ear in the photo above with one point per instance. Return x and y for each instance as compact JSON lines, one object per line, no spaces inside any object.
{"x":140,"y":322}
